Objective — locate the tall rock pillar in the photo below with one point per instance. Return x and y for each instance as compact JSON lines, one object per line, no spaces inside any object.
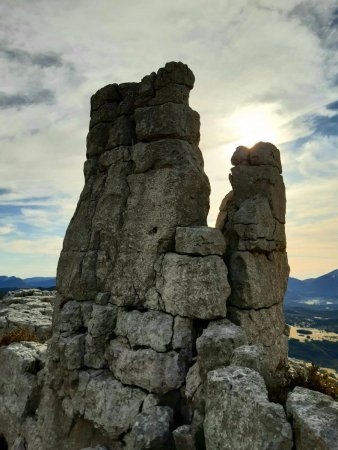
{"x":139,"y":270}
{"x":252,"y":218}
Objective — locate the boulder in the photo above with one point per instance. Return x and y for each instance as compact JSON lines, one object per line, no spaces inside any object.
{"x":252,"y":356}
{"x":265,"y":326}
{"x":150,"y":370}
{"x":217,"y":343}
{"x":314,"y":418}
{"x":239,"y":414}
{"x":248,"y":181}
{"x":146,"y":329}
{"x":261,"y":154}
{"x":195,"y":287}
{"x":107,"y":403}
{"x":152,"y":430}
{"x":260,"y":279}
{"x":256,"y":228}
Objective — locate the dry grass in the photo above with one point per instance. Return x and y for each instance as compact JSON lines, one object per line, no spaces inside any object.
{"x":317,"y":379}
{"x":18,"y":335}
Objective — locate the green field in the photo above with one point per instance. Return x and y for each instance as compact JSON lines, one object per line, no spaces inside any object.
{"x":321,"y":353}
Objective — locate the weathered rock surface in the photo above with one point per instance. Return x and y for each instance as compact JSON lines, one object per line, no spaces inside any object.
{"x":146,"y":329}
{"x":107,"y":403}
{"x":260,"y":279}
{"x":252,"y":219}
{"x":261,"y":154}
{"x":27,"y":309}
{"x":315,"y":419}
{"x":151,"y":430}
{"x":20,"y":364}
{"x":152,"y":346}
{"x":146,"y":368}
{"x":239,"y":415}
{"x":251,"y":356}
{"x":217,"y":343}
{"x":195,"y":287}
{"x":200,"y":241}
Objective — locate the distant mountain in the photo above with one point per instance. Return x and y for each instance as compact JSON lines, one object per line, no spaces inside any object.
{"x":12,"y":282}
{"x":16,"y":283}
{"x":46,"y":282}
{"x":323,"y":286}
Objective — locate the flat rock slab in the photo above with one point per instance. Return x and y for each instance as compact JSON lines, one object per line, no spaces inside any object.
{"x":170,"y":120}
{"x":239,"y":415}
{"x":146,"y":368}
{"x":200,"y":241}
{"x":29,"y":310}
{"x":315,"y":419}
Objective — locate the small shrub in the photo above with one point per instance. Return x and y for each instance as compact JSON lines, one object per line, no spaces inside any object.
{"x":18,"y":335}
{"x":317,"y":379}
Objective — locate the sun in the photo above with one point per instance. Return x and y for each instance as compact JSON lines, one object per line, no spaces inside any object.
{"x":252,"y":124}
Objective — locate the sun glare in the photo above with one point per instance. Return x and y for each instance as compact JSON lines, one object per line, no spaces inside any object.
{"x":253,"y":124}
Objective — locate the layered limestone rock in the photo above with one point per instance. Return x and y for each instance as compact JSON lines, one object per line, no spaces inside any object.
{"x":315,"y":419}
{"x":151,"y":348}
{"x":239,"y":414}
{"x":140,"y":273}
{"x":252,"y":219}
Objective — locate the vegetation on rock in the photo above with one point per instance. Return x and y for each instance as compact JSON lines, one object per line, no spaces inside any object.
{"x":18,"y":335}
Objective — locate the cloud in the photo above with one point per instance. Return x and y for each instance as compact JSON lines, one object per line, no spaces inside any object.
{"x":20,"y":100}
{"x":327,"y":126}
{"x":333,"y":105}
{"x":5,"y":191}
{"x":246,"y":56}
{"x":47,"y":59}
{"x":6,"y":229}
{"x":43,"y":246}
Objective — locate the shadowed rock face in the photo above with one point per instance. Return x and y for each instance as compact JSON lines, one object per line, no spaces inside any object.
{"x":252,"y":219}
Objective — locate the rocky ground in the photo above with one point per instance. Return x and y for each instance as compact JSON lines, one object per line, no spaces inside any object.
{"x":27,"y":309}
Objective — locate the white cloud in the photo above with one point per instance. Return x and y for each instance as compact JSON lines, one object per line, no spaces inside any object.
{"x":6,"y":229}
{"x":248,"y":57}
{"x":43,"y":246}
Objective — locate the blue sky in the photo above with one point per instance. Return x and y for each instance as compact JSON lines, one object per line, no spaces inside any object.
{"x":264,"y":71}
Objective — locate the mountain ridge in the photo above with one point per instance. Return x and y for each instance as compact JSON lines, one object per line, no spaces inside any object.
{"x":13,"y":282}
{"x":323,"y":286}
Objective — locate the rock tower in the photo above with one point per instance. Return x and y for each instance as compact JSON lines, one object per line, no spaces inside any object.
{"x":252,"y":219}
{"x":165,"y":332}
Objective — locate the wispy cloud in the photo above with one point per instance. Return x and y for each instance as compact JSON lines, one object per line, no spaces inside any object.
{"x":47,"y":59}
{"x":278,"y":60}
{"x":5,"y":191}
{"x":20,"y":100}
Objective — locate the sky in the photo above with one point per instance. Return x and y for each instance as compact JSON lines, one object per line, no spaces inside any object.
{"x":265,"y":71}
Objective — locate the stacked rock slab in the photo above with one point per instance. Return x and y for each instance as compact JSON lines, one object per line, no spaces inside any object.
{"x":252,"y":218}
{"x":139,"y":269}
{"x":150,"y":347}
